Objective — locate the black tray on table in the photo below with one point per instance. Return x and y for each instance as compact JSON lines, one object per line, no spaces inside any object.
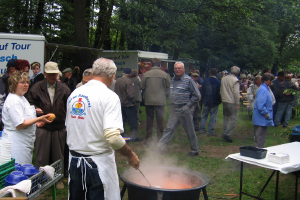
{"x":253,"y":152}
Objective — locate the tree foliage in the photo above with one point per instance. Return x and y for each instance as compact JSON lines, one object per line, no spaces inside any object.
{"x":250,"y":34}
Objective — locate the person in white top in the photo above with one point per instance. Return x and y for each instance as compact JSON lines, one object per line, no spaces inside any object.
{"x":94,"y":123}
{"x":19,"y":119}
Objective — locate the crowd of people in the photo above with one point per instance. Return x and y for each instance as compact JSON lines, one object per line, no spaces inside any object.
{"x":92,"y":109}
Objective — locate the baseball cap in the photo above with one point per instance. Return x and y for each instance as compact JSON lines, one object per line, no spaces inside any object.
{"x":51,"y":68}
{"x":127,"y":71}
{"x":195,"y":74}
{"x":67,"y":70}
{"x":11,"y":62}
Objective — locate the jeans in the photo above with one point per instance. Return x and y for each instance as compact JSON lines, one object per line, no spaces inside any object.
{"x":286,"y":107}
{"x":130,"y":114}
{"x":94,"y":187}
{"x":179,"y":115}
{"x":229,"y":114}
{"x":159,"y":112}
{"x":213,"y":111}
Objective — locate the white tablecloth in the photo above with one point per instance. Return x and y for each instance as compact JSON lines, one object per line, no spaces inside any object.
{"x":293,"y":149}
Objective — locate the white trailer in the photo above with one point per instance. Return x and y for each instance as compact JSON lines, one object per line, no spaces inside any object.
{"x":22,"y":46}
{"x":130,"y":58}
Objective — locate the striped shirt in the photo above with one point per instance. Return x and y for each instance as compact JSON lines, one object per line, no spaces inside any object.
{"x":183,"y":90}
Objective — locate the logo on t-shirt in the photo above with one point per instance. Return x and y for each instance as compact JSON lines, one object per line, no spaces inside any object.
{"x":78,"y":108}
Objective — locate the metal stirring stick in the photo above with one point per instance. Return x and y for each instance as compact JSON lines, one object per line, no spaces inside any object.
{"x":144,"y":177}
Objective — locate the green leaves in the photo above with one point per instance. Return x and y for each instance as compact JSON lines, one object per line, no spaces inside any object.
{"x":250,"y":34}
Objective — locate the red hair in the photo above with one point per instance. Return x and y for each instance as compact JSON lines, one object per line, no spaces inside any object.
{"x":20,"y":65}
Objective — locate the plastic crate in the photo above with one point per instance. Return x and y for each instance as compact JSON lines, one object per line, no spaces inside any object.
{"x":296,"y":130}
{"x":40,"y":183}
{"x":253,"y":152}
{"x":5,"y":171}
{"x":7,"y":165}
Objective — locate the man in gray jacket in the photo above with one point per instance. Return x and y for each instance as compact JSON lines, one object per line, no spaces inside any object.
{"x":156,"y":84}
{"x":230,"y":93}
{"x":183,"y":95}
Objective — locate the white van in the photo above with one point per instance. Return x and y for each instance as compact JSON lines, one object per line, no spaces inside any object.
{"x":22,"y":46}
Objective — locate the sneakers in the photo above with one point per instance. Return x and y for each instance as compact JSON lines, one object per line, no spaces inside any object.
{"x":191,"y":154}
{"x":211,"y":134}
{"x":227,"y":138}
{"x":59,"y":185}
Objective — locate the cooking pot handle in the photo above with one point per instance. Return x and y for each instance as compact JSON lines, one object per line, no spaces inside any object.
{"x":123,"y":190}
{"x":160,"y":195}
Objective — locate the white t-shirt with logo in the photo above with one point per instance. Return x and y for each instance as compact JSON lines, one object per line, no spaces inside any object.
{"x":91,"y":109}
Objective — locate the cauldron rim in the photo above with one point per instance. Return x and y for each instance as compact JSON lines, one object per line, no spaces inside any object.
{"x":204,"y":178}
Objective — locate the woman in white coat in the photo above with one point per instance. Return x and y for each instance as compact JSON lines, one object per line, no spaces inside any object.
{"x":19,"y":119}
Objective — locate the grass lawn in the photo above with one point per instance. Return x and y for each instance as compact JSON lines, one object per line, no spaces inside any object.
{"x":224,"y":181}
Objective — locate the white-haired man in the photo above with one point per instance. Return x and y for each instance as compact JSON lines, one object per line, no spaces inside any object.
{"x":94,"y":124}
{"x":86,"y":77}
{"x":230,"y":94}
{"x":184,"y":94}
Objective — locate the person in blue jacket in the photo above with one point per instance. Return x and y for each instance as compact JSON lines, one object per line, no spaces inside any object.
{"x":263,"y":111}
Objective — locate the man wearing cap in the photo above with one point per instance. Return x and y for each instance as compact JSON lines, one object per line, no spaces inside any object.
{"x":198,"y":106}
{"x":70,"y":81}
{"x":156,"y":84}
{"x":125,"y":90}
{"x":50,"y":96}
{"x":4,"y":84}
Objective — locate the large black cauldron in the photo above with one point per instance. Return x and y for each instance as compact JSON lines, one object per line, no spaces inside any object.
{"x":198,"y":181}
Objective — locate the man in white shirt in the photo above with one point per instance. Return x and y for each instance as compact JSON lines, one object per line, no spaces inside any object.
{"x":94,"y":124}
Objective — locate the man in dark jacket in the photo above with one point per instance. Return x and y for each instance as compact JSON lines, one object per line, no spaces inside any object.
{"x":285,"y":101}
{"x":198,"y":105}
{"x":70,"y":80}
{"x":125,"y":90}
{"x":137,"y":91}
{"x":210,"y":91}
{"x":50,"y":96}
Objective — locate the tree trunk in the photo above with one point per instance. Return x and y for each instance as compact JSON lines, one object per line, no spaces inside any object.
{"x":106,"y":25}
{"x":79,"y":23}
{"x":39,"y":17}
{"x":100,"y":23}
{"x":85,"y":58}
{"x":280,"y":49}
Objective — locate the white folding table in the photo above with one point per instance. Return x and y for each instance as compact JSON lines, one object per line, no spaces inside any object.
{"x":292,"y":149}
